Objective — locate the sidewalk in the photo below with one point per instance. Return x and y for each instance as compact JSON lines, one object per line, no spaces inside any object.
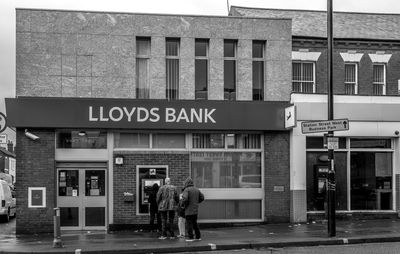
{"x":227,"y":238}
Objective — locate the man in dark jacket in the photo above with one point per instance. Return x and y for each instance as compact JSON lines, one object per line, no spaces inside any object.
{"x":191,"y":198}
{"x":167,"y":200}
{"x":154,"y":208}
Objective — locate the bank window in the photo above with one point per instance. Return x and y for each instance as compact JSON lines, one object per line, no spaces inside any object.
{"x":226,"y":141}
{"x":172,"y":68}
{"x":142,"y":67}
{"x":226,"y":169}
{"x":230,"y":48}
{"x":303,"y":77}
{"x":258,"y":70}
{"x":82,"y":139}
{"x":201,"y":69}
{"x":168,"y":140}
{"x":131,"y":140}
{"x":350,"y":78}
{"x":379,"y":79}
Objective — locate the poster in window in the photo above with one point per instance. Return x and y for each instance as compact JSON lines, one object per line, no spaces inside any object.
{"x":69,"y":191}
{"x":94,"y":182}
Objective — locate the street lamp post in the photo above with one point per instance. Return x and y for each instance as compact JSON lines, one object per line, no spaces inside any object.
{"x":331,"y":184}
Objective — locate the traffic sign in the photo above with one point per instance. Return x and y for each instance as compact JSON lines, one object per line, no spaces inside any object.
{"x":325,"y":126}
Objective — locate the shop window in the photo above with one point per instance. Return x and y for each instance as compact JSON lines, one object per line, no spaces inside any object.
{"x":230,"y":209}
{"x":69,"y":216}
{"x":169,"y":140}
{"x":142,"y":67}
{"x":95,"y":216}
{"x":172,"y":68}
{"x":317,"y":170}
{"x":230,"y":47}
{"x":131,"y":140}
{"x":371,"y":181}
{"x":208,"y":140}
{"x":82,"y":139}
{"x":201,"y":69}
{"x":226,"y":169}
{"x":303,"y":77}
{"x":258,"y":70}
{"x":370,"y":143}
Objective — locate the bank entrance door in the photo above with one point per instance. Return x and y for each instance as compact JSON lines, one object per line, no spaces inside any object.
{"x":81,"y":198}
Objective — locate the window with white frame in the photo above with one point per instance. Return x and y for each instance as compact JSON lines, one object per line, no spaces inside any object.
{"x":142,"y":67}
{"x":303,"y":77}
{"x":350,"y":78}
{"x":379,"y":79}
{"x":137,"y":140}
{"x":172,"y":68}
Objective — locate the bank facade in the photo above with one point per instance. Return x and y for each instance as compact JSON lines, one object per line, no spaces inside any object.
{"x":366,"y":82}
{"x":110,"y":103}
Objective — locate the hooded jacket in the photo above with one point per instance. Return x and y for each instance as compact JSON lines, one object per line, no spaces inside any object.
{"x":191,"y":197}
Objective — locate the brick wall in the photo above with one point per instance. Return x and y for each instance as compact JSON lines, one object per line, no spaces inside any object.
{"x":365,"y":77}
{"x":277,"y":173}
{"x":125,"y":180}
{"x":35,"y":168}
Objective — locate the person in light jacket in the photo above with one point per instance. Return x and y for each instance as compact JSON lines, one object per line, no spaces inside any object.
{"x":167,"y":200}
{"x":191,"y":198}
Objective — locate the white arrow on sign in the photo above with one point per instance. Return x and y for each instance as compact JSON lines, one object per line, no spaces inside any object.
{"x":325,"y":126}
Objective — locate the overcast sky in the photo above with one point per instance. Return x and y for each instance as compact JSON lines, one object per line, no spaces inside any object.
{"x":196,"y":7}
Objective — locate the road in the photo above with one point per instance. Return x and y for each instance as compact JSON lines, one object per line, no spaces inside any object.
{"x":373,"y":248}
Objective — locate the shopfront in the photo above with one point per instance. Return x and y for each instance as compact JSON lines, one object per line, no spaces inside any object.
{"x":366,"y":161}
{"x":108,"y":153}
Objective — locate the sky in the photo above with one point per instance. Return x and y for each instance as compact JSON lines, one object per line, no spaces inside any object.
{"x":195,"y":7}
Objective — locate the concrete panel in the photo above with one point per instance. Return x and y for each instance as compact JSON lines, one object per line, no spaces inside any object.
{"x":99,"y":65}
{"x":277,"y":90}
{"x":88,"y":44}
{"x":68,"y":67}
{"x":157,"y":91}
{"x":43,"y":21}
{"x":23,"y":42}
{"x":112,"y":87}
{"x":157,"y":46}
{"x":23,"y":20}
{"x":84,"y":87}
{"x":216,"y":81}
{"x":68,"y":87}
{"x":84,"y":66}
{"x":69,"y":44}
{"x":157,"y":78}
{"x":279,"y":50}
{"x":45,"y":43}
{"x":244,"y":80}
{"x":244,"y":50}
{"x":187,"y":83}
{"x":122,"y":45}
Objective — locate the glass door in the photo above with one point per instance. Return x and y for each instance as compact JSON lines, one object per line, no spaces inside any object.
{"x":81,"y":198}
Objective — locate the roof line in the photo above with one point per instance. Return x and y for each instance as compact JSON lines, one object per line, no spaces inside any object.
{"x":319,"y":11}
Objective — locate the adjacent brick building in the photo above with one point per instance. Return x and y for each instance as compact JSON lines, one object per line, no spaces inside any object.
{"x":366,"y":81}
{"x":110,"y":103}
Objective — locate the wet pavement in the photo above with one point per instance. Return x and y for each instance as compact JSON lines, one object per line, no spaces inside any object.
{"x":224,"y":238}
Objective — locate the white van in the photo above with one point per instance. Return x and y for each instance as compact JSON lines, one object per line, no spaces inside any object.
{"x":7,"y":202}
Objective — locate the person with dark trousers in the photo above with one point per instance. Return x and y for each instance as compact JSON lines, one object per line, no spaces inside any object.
{"x":154,"y":209}
{"x":167,"y":200}
{"x":191,"y":198}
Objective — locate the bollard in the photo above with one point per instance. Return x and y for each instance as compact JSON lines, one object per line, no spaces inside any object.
{"x":57,"y":243}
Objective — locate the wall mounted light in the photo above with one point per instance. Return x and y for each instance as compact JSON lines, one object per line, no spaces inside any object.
{"x":82,"y":133}
{"x":119,"y":160}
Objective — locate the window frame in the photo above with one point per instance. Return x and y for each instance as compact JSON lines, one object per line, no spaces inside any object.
{"x":147,"y":58}
{"x":204,"y":58}
{"x":377,"y":83}
{"x":234,"y":59}
{"x":348,"y":83}
{"x":169,"y":96}
{"x":301,"y":81}
{"x":259,"y":60}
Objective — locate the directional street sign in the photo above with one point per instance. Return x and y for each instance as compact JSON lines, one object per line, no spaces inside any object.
{"x":325,"y":126}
